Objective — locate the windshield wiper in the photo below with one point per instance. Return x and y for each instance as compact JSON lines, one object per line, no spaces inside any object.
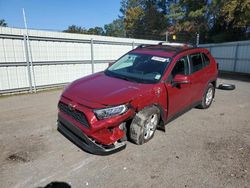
{"x":120,"y":77}
{"x":124,"y":78}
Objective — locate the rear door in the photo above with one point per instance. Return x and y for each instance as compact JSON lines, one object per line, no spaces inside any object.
{"x":179,"y":96}
{"x":199,"y":75}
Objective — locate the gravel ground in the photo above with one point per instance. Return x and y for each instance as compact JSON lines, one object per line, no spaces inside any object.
{"x":202,"y":148}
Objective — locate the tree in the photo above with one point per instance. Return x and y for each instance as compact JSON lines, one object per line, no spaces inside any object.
{"x":133,"y":22}
{"x":214,"y":20}
{"x":96,"y":31}
{"x":132,"y":13}
{"x":163,"y":5}
{"x":116,"y":28}
{"x":144,"y":18}
{"x":3,"y":23}
{"x":82,"y":30}
{"x":154,"y":20}
{"x":75,"y":29}
{"x":188,"y":17}
{"x":127,"y":4}
{"x":236,"y":13}
{"x":229,"y":20}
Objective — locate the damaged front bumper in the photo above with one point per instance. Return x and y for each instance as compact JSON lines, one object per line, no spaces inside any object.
{"x":86,"y":143}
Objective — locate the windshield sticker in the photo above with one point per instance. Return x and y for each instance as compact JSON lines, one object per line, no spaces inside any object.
{"x":161,"y":59}
{"x":157,"y":77}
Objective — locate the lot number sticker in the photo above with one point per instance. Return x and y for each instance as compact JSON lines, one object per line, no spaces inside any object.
{"x":161,"y":59}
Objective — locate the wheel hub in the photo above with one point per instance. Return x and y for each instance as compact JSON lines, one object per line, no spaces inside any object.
{"x":150,"y":126}
{"x":209,"y":96}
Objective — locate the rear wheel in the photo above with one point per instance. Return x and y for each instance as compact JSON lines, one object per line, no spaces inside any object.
{"x":144,"y":124}
{"x":208,"y":97}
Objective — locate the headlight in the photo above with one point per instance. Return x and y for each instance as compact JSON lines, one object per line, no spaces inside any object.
{"x":109,"y":112}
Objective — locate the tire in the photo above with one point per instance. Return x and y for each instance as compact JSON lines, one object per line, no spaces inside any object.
{"x":226,"y":86}
{"x":208,"y":97}
{"x":144,"y":124}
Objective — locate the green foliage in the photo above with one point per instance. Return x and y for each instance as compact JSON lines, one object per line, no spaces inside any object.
{"x":154,"y":21}
{"x":133,"y":21}
{"x":82,"y":30}
{"x":188,"y":17}
{"x":236,"y":13}
{"x":144,"y":18}
{"x":127,"y":4}
{"x":76,"y":29}
{"x":96,"y":31}
{"x":229,"y":20}
{"x":214,"y":20}
{"x":3,"y":23}
{"x":116,"y":28}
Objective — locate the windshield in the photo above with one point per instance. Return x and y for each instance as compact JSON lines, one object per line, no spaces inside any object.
{"x":141,"y":68}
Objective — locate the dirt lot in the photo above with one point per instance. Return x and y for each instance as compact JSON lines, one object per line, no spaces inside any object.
{"x":202,"y":148}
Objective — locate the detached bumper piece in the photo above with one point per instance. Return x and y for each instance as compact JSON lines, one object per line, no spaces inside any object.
{"x":75,"y":135}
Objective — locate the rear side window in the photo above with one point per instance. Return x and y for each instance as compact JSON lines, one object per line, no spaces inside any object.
{"x":206,"y":60}
{"x":196,"y":62}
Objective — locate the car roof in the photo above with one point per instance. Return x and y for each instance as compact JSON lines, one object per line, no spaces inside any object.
{"x":163,"y":49}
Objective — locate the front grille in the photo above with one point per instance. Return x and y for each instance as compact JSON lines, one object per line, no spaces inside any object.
{"x":75,"y":114}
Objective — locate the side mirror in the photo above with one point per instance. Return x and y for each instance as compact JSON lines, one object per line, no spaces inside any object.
{"x":181,"y":79}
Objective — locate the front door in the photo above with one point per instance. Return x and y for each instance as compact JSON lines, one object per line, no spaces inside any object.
{"x":179,"y":96}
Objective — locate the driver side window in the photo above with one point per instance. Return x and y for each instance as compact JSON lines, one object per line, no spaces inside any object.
{"x":181,"y":67}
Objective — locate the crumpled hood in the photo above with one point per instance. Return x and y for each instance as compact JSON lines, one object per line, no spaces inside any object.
{"x":105,"y":90}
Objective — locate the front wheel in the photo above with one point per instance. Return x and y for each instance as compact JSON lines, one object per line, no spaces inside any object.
{"x":207,"y":97}
{"x":144,"y":124}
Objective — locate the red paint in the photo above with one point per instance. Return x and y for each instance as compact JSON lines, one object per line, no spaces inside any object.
{"x":100,"y":91}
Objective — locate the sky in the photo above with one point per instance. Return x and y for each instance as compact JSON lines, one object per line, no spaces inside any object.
{"x":59,"y":14}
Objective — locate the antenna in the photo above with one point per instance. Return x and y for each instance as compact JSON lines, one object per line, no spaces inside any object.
{"x":25,"y":22}
{"x":29,"y":48}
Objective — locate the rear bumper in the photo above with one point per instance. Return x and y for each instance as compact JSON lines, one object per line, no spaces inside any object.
{"x":74,"y":134}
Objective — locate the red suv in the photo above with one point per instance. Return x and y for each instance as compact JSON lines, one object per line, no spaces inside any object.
{"x":143,"y":90}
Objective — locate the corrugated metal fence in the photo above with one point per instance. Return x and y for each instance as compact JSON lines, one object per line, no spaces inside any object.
{"x":48,"y":59}
{"x":231,"y":56}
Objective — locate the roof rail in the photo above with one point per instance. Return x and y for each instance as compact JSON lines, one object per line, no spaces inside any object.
{"x":143,"y":45}
{"x":175,"y":44}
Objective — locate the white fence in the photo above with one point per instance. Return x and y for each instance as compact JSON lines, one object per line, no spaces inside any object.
{"x":53,"y":58}
{"x":48,"y":59}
